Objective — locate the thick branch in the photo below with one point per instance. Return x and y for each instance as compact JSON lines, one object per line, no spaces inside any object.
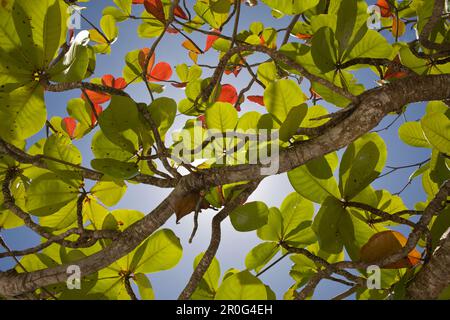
{"x":375,"y":105}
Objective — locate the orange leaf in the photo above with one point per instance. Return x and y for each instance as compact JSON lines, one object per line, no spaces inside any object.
{"x":156,"y":9}
{"x":189,"y":45}
{"x":393,"y":70}
{"x":398,"y":27}
{"x":138,"y":1}
{"x":180,"y":13}
{"x":386,"y":243}
{"x":257,"y":99}
{"x":193,"y":56}
{"x":384,"y":8}
{"x":303,"y":36}
{"x":142,"y":56}
{"x":161,"y":72}
{"x":69,"y":124}
{"x":228,"y":94}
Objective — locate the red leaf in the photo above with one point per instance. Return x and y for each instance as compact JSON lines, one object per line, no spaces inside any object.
{"x":138,"y":1}
{"x":228,"y":94}
{"x":257,"y":99}
{"x":98,"y":109}
{"x":156,"y":9}
{"x":120,"y":83}
{"x":69,"y":124}
{"x":384,"y":8}
{"x":393,"y":70}
{"x":142,"y":56}
{"x":172,"y":30}
{"x":161,"y":72}
{"x":108,"y":80}
{"x":210,"y":40}
{"x":180,"y":13}
{"x":96,"y":97}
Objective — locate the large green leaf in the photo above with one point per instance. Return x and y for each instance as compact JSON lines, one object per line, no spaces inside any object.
{"x":280,"y":97}
{"x":293,"y":119}
{"x":109,"y":192}
{"x":326,"y":225}
{"x":222,"y":116}
{"x":115,"y":168}
{"x":437,"y":130}
{"x":315,"y":180}
{"x":119,"y":123}
{"x":163,"y":111}
{"x":411,"y":133}
{"x":295,"y":210}
{"x":214,"y":13}
{"x":272,"y":231}
{"x":22,"y":112}
{"x":61,"y":219}
{"x":102,"y":147}
{"x":324,"y":50}
{"x":242,"y":286}
{"x":361,"y":163}
{"x":291,"y":7}
{"x":60,"y":147}
{"x":8,"y":219}
{"x":145,"y":287}
{"x":250,"y":216}
{"x":260,"y":255}
{"x":161,"y":251}
{"x":47,"y":194}
{"x":372,"y":45}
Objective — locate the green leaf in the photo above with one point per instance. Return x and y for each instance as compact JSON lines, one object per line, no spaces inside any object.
{"x":102,"y":147}
{"x":346,"y":22}
{"x":280,"y":97}
{"x":215,"y":13}
{"x":295,"y":210}
{"x":412,"y":134}
{"x":272,"y":231}
{"x":109,"y":192}
{"x":22,"y":112}
{"x":163,"y":111}
{"x":109,"y":27}
{"x":361,"y":163}
{"x":326,"y":225}
{"x":96,"y":213}
{"x":119,"y":123}
{"x":372,"y":45}
{"x":61,"y":219}
{"x":145,"y":287}
{"x":250,"y":216}
{"x":437,"y":130}
{"x":47,"y":194}
{"x":267,"y":73}
{"x":323,"y":49}
{"x":222,"y":116}
{"x":8,"y":219}
{"x":162,"y":251}
{"x":124,"y":5}
{"x":115,"y":168}
{"x":60,"y":147}
{"x":150,"y":29}
{"x":242,"y":286}
{"x":315,"y":180}
{"x":293,"y":119}
{"x":260,"y":255}
{"x":291,"y":7}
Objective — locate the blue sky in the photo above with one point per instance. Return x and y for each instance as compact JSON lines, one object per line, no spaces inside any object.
{"x":235,"y":245}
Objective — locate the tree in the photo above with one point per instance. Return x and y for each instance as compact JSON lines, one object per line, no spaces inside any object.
{"x":325,"y":47}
